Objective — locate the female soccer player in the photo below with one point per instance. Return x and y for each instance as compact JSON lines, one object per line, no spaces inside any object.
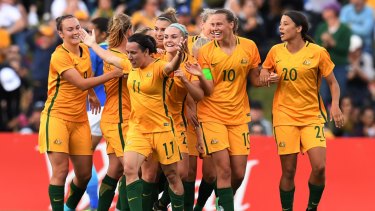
{"x":162,"y":22}
{"x":298,"y":112}
{"x":224,"y":114}
{"x":114,"y":122}
{"x":64,"y":131}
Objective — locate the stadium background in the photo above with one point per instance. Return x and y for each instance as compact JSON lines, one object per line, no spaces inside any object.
{"x":25,"y":173}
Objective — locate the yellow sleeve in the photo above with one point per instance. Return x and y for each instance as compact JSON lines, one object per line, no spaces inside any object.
{"x":126,"y":66}
{"x":62,"y":62}
{"x":255,"y":56}
{"x":325,"y":63}
{"x":202,"y":58}
{"x":269,"y":62}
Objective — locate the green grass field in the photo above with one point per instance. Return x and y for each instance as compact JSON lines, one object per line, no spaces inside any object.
{"x":264,"y":95}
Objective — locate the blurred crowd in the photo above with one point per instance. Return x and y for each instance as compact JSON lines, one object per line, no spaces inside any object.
{"x":345,"y":28}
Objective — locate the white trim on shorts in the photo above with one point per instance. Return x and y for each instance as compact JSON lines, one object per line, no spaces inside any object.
{"x":94,"y":121}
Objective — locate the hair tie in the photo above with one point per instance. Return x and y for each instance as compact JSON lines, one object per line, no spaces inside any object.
{"x":180,"y":27}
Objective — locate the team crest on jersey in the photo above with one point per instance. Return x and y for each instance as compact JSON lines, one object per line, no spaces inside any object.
{"x":149,"y":74}
{"x":244,"y":61}
{"x":282,"y":144}
{"x":307,"y":62}
{"x":214,"y":141}
{"x":57,"y":141}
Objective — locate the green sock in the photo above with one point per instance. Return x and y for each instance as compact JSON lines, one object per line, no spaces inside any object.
{"x":56,"y":196}
{"x":165,"y":199}
{"x":134,"y":193}
{"x":177,"y":201}
{"x":189,"y":189}
{"x":122,"y":201}
{"x":226,"y":198}
{"x":106,"y":192}
{"x":287,"y":198}
{"x":147,"y":195}
{"x":75,"y":196}
{"x":205,"y":191}
{"x":316,"y":192}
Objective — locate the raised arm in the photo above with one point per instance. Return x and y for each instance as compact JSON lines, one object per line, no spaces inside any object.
{"x":107,"y":56}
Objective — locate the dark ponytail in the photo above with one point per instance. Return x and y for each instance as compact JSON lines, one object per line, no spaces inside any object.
{"x":300,"y":20}
{"x":144,"y":42}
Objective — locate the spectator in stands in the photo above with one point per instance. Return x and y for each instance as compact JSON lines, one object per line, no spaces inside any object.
{"x":361,"y":73}
{"x":335,"y":37}
{"x":12,"y":20}
{"x":360,"y":18}
{"x":104,"y":10}
{"x":42,"y":42}
{"x":350,"y":118}
{"x":366,"y":126}
{"x":252,"y":26}
{"x":314,"y":9}
{"x":257,"y":119}
{"x":146,"y":17}
{"x":77,"y":8}
{"x":10,"y":95}
{"x":184,"y":17}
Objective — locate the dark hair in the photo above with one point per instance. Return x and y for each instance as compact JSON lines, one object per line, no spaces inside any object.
{"x":144,"y":42}
{"x":60,"y":19}
{"x":300,"y":20}
{"x":230,"y":18}
{"x":168,"y":15}
{"x":101,"y":23}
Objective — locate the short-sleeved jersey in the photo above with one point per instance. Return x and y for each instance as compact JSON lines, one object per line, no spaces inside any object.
{"x":65,"y":100}
{"x":117,"y":104}
{"x":147,"y":89}
{"x":297,"y":100}
{"x":177,"y":93}
{"x":228,"y":104}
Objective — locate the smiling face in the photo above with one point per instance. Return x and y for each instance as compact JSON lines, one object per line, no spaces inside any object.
{"x":207,"y":29}
{"x":172,"y":38}
{"x":160,"y":26}
{"x":69,"y":31}
{"x":288,"y":29}
{"x":222,"y":29}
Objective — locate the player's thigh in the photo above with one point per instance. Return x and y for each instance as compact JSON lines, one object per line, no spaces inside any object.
{"x":53,"y":135}
{"x":115,"y":136}
{"x":80,"y":138}
{"x":312,"y":136}
{"x":288,"y":139}
{"x":166,"y":147}
{"x":215,"y":136}
{"x":239,"y":139}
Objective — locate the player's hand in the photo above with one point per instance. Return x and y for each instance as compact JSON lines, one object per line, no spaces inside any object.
{"x":181,"y":47}
{"x":117,"y":72}
{"x":86,"y":38}
{"x":264,"y":77}
{"x":179,"y":73}
{"x":274,"y":78}
{"x":94,"y":103}
{"x":160,"y":51}
{"x":200,"y":145}
{"x":337,"y":116}
{"x":194,"y":69}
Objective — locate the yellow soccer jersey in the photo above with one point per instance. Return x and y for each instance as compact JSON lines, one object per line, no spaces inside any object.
{"x":177,"y":94}
{"x":297,"y":100}
{"x":147,"y":89}
{"x":228,"y":104}
{"x":65,"y":100}
{"x":117,"y":104}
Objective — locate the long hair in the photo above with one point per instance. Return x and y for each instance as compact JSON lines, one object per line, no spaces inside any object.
{"x":300,"y":20}
{"x":117,"y":29}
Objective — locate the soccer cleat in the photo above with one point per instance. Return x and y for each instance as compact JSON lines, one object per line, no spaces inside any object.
{"x":158,"y":207}
{"x":311,"y":209}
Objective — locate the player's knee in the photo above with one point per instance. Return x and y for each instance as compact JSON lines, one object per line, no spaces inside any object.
{"x":289,"y":172}
{"x":149,"y":176}
{"x":60,"y":173}
{"x":319,"y":170}
{"x":130,"y":171}
{"x":83,"y":177}
{"x":224,"y":174}
{"x":172,"y":176}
